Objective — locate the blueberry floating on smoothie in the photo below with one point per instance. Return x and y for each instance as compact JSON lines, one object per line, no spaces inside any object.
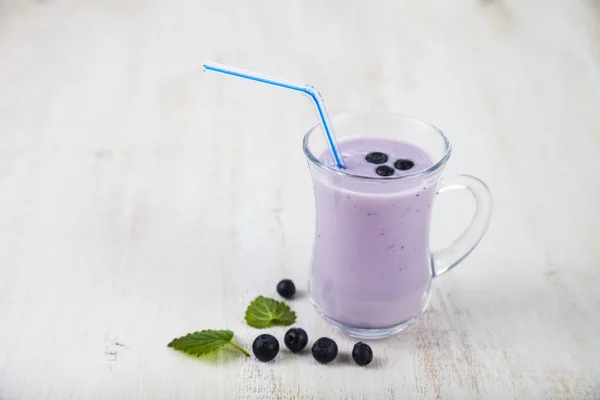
{"x":384,"y":170}
{"x":324,"y":350}
{"x":377,"y":157}
{"x":362,"y":354}
{"x":265,"y":347}
{"x":295,"y":339}
{"x":403,"y":164}
{"x":286,"y":288}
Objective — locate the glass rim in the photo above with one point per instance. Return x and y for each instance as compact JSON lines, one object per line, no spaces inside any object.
{"x":437,"y":165}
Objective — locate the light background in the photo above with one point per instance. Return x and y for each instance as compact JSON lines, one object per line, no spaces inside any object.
{"x":141,"y":198}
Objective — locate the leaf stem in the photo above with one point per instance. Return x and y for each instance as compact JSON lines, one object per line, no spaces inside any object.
{"x":240,"y":349}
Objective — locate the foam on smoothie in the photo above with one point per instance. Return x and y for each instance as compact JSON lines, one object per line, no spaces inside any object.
{"x":355,"y":151}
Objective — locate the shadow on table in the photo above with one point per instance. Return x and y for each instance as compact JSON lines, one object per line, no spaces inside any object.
{"x":345,"y":358}
{"x":221,"y":356}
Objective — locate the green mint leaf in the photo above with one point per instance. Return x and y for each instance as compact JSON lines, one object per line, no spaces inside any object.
{"x":264,"y":312}
{"x":207,"y":341}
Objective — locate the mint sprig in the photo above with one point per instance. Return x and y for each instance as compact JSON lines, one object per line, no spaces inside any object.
{"x":204,"y":342}
{"x":264,"y":312}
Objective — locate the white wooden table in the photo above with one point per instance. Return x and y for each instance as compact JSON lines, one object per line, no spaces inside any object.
{"x":141,"y":199}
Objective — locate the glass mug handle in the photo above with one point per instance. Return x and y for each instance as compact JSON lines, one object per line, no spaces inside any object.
{"x":447,"y":258}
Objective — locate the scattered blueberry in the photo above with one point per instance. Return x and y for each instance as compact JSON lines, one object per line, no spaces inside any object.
{"x":362,"y":354}
{"x":384,"y":170}
{"x":377,"y":157}
{"x":324,"y":350}
{"x":403,"y":165}
{"x":286,"y":288}
{"x":295,"y":339}
{"x":265,"y":347}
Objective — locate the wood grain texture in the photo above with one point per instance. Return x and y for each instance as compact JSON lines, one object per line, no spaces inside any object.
{"x":141,"y":199}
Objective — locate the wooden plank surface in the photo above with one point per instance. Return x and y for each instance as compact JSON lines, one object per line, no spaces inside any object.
{"x":141,"y":199}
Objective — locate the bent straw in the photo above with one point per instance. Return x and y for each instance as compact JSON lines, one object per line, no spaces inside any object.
{"x":306,"y":89}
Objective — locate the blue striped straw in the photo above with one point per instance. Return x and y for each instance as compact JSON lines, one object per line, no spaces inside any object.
{"x":309,"y":90}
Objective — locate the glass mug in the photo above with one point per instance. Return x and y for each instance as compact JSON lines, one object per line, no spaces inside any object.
{"x":371,"y":266}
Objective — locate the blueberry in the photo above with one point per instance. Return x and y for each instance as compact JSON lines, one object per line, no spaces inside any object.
{"x":286,"y":288}
{"x":384,"y":170}
{"x":377,"y":157}
{"x":265,"y":347}
{"x":403,"y":165}
{"x":362,"y":354}
{"x":324,"y":350}
{"x":295,"y":339}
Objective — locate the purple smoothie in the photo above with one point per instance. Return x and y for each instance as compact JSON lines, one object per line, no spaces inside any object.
{"x":371,"y":261}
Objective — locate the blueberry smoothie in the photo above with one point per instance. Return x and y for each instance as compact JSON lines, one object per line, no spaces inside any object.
{"x":371,"y":261}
